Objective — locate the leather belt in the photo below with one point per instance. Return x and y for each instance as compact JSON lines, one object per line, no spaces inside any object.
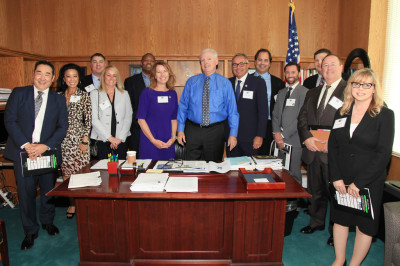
{"x":204,"y":126}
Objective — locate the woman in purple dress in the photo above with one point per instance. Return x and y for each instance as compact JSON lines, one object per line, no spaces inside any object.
{"x":158,"y":106}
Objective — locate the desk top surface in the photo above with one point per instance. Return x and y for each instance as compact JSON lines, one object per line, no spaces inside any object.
{"x":210,"y":186}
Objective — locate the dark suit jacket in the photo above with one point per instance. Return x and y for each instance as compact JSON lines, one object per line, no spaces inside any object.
{"x":87,"y":80}
{"x":135,"y":85}
{"x":363,"y":158}
{"x":276,"y":85}
{"x":311,"y":82}
{"x":252,"y":112}
{"x":308,"y":117}
{"x":20,"y":121}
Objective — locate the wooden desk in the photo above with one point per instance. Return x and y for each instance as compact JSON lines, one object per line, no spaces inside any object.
{"x":222,"y":224}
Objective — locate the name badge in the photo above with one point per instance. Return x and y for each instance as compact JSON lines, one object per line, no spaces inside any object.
{"x":290,"y":102}
{"x":90,"y":88}
{"x":162,"y":99}
{"x":74,"y":99}
{"x":104,"y":105}
{"x":247,"y":94}
{"x":335,"y":102}
{"x":339,"y":123}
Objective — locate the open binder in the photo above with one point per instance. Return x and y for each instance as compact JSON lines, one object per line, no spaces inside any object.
{"x":358,"y":206}
{"x":47,"y":163}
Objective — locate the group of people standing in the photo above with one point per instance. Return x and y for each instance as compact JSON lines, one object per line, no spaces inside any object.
{"x":246,"y":112}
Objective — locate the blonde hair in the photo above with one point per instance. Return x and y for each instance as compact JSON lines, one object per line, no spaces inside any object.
{"x":377,"y":99}
{"x":171,"y":79}
{"x":119,"y":85}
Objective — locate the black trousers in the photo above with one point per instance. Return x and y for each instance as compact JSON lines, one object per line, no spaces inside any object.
{"x":104,"y":150}
{"x":204,"y":143}
{"x":318,"y":187}
{"x":266,"y":145}
{"x":243,"y":148}
{"x":26,"y":187}
{"x":134,"y":139}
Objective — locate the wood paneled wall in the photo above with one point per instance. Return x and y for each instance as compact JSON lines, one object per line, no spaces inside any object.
{"x":10,"y":74}
{"x":180,"y":27}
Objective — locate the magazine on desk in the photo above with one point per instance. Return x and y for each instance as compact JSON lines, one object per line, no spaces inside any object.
{"x":359,"y":206}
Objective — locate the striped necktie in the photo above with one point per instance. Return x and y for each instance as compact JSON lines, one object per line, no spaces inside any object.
{"x":38,"y":102}
{"x":206,"y":103}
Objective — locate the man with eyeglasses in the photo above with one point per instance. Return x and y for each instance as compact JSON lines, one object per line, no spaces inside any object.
{"x":316,"y":80}
{"x":263,"y":60}
{"x":318,"y":112}
{"x":251,"y":98}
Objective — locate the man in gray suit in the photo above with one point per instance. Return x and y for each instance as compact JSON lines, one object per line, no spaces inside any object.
{"x":319,"y":111}
{"x":284,"y":117}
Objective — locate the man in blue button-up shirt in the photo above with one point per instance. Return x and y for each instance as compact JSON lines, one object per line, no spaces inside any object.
{"x":206,"y":141}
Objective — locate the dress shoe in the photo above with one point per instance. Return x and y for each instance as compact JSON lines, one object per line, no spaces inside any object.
{"x":309,"y":230}
{"x":51,"y":229}
{"x":28,"y":241}
{"x":330,"y":241}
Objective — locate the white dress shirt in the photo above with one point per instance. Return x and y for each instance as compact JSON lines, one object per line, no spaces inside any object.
{"x":330,"y":91}
{"x":40,"y":117}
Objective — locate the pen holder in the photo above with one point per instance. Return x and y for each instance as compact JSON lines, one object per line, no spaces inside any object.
{"x":112,"y":168}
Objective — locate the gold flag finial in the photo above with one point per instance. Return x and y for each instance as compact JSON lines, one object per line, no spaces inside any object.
{"x":291,"y":4}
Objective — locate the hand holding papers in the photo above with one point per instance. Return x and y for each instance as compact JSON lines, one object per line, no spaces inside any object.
{"x":85,"y":180}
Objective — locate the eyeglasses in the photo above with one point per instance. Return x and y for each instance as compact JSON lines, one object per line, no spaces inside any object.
{"x":365,"y":86}
{"x":239,"y":64}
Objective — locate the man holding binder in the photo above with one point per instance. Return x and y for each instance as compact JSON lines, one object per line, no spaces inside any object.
{"x":318,"y":113}
{"x":36,"y":120}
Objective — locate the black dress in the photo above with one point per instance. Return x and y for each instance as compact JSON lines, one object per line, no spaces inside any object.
{"x":362,"y":160}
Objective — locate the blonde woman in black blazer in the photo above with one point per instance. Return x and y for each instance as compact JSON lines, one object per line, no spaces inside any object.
{"x":360,"y":146}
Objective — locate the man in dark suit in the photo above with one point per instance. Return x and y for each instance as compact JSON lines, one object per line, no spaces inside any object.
{"x":135,"y":85}
{"x":316,"y":80}
{"x":97,"y":65}
{"x":318,"y":111}
{"x":36,"y":120}
{"x":284,"y":117}
{"x":262,"y":63}
{"x":252,"y":105}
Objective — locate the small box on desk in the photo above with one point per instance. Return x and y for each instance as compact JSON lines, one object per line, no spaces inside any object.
{"x":259,"y":180}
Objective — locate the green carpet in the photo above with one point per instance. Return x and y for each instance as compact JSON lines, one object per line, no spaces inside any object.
{"x":63,"y":249}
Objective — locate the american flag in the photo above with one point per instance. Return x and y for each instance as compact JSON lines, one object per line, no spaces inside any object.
{"x":293,"y":51}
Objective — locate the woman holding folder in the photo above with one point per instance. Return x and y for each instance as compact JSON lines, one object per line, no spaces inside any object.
{"x":360,"y":146}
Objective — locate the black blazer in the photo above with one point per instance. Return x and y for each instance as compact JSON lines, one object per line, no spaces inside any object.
{"x":363,"y":158}
{"x":87,"y":80}
{"x":311,"y":82}
{"x":253,"y":113}
{"x":134,"y":85}
{"x":20,"y":121}
{"x":308,"y":117}
{"x":276,"y":84}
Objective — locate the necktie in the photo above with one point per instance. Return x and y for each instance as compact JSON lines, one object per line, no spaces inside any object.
{"x":237,"y":92}
{"x":205,"y":103}
{"x":38,"y":102}
{"x":321,"y":106}
{"x":284,"y":102}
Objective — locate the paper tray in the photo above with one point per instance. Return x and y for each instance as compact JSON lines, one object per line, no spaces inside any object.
{"x":278,"y":184}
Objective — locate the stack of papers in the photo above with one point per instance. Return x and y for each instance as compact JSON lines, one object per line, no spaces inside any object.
{"x":182,"y":184}
{"x":150,"y":182}
{"x":193,"y":166}
{"x":102,"y":164}
{"x":85,"y":180}
{"x":267,"y":162}
{"x":4,"y":94}
{"x":240,"y":162}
